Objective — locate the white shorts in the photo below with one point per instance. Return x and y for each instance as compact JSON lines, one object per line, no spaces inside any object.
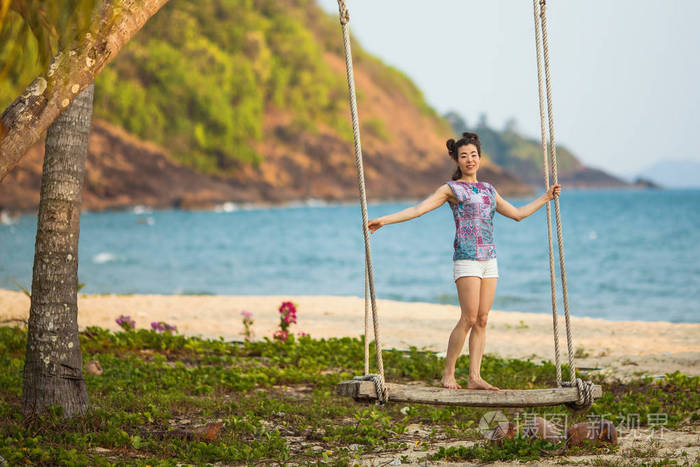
{"x":468,"y":267}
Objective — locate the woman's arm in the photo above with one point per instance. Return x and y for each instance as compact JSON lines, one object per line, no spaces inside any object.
{"x":433,"y":201}
{"x":505,"y":208}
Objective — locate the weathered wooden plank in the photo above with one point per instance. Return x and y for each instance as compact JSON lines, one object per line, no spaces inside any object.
{"x":468,"y":397}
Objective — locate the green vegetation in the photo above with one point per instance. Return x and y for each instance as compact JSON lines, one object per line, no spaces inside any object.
{"x":519,"y":448}
{"x":201,"y":76}
{"x":375,"y":127}
{"x":277,"y":404}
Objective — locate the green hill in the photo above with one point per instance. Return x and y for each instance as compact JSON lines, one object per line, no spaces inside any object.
{"x":201,"y":76}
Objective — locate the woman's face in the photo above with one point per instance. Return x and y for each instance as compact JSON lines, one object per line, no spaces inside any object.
{"x":468,"y":159}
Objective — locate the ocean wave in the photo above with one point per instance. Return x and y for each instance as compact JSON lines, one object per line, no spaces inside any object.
{"x":307,"y":203}
{"x":105,"y":257}
{"x":315,"y":202}
{"x":6,"y":219}
{"x":226,"y":207}
{"x":146,"y":220}
{"x":138,"y":209}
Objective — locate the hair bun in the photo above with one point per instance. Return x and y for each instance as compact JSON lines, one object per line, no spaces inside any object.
{"x":470,"y":136}
{"x":451,"y":145}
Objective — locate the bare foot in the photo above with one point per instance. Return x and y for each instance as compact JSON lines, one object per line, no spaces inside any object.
{"x":480,"y":383}
{"x":450,"y":383}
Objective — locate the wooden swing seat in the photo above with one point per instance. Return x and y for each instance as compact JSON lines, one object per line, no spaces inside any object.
{"x":365,"y":390}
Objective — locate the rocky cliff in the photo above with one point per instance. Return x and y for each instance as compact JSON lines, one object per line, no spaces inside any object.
{"x":124,"y":171}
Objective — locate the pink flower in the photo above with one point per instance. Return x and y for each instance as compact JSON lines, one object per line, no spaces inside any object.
{"x":287,"y":307}
{"x":247,"y":324}
{"x":162,"y":326}
{"x":125,"y":322}
{"x":288,"y":316}
{"x":281,"y":335}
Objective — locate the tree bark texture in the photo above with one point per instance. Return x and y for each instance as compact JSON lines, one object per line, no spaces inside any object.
{"x":25,"y":120}
{"x":53,"y":368}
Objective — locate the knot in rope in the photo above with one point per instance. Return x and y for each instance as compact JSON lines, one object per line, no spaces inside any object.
{"x":344,"y":12}
{"x":378,"y":380}
{"x":585,"y":394}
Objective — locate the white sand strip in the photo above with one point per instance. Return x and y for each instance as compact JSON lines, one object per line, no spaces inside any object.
{"x":625,"y":348}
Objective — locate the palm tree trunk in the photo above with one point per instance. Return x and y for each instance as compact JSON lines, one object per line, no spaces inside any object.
{"x":53,"y":367}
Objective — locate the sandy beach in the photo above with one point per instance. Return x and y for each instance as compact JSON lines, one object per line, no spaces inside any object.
{"x":621,"y":349}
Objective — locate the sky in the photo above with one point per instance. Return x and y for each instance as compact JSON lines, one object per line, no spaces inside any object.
{"x":625,"y":73}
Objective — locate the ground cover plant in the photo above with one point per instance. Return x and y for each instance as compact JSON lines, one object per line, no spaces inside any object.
{"x":164,"y":399}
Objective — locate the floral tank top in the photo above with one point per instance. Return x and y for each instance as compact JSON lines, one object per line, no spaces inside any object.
{"x":473,"y":214}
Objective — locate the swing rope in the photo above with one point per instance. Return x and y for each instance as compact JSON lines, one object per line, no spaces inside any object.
{"x":543,"y":136}
{"x":367,"y":308}
{"x":378,"y":379}
{"x":585,"y":388}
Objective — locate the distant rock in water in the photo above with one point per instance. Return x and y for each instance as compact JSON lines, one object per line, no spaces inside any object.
{"x":673,"y":173}
{"x":640,"y":182}
{"x":588,"y":177}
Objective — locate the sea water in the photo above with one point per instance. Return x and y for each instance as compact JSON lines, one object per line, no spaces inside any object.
{"x":629,"y":255}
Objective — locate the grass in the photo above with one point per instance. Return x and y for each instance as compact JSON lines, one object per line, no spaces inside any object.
{"x":277,"y":404}
{"x":581,"y":353}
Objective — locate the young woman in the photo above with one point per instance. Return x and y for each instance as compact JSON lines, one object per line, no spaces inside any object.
{"x":475,"y":268}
